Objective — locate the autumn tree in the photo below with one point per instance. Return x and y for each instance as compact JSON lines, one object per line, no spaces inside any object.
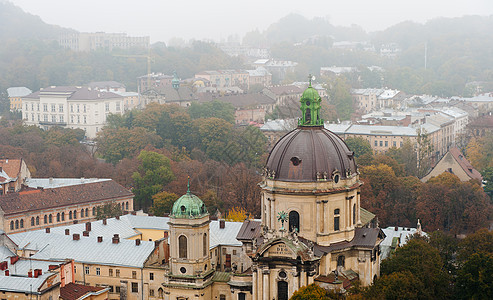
{"x":480,"y":151}
{"x":406,"y":156}
{"x":152,"y":175}
{"x":310,"y":292}
{"x":162,"y":203}
{"x":109,"y":210}
{"x":396,"y":285}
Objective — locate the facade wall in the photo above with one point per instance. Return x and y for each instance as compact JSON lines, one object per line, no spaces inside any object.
{"x":60,"y":216}
{"x":447,"y":164}
{"x":88,"y":115}
{"x":15,"y":103}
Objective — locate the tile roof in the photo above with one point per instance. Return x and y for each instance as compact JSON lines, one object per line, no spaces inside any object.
{"x":465,"y":164}
{"x":285,"y":89}
{"x":246,"y":100}
{"x":23,"y":201}
{"x":365,"y":216}
{"x":363,"y":238}
{"x":249,"y":230}
{"x":73,"y":291}
{"x":11,"y":166}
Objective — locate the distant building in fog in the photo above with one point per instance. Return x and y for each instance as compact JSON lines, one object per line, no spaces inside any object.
{"x":90,"y":41}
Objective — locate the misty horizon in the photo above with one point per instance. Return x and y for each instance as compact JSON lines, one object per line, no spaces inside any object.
{"x":166,"y":21}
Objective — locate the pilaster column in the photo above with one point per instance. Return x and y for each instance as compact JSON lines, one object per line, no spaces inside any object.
{"x":266,"y":286}
{"x":317,"y":213}
{"x":303,"y":278}
{"x":254,"y":283}
{"x":325,"y":217}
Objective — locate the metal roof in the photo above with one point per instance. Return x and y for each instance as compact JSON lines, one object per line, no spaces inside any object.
{"x":18,"y":91}
{"x":224,"y":236}
{"x":22,"y":284}
{"x":48,"y":183}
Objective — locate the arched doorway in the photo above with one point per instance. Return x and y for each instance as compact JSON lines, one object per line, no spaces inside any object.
{"x":294,"y":221}
{"x":282,"y":290}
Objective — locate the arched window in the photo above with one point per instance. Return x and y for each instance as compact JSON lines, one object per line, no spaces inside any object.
{"x":308,"y":115}
{"x":82,"y":213}
{"x":336,"y":219}
{"x":63,"y":216}
{"x":37,"y":220}
{"x":87,"y":212}
{"x":22,"y":223}
{"x":32,"y":221}
{"x":50,"y":219}
{"x":58,"y":217}
{"x":282,"y":290}
{"x":160,"y":293}
{"x":16,"y":224}
{"x":94,"y":211}
{"x":341,"y":261}
{"x":70,"y":215}
{"x":123,"y":206}
{"x":126,"y":205}
{"x":204,"y":245}
{"x":294,"y":221}
{"x":46,"y":219}
{"x":182,"y":246}
{"x":354,"y":214}
{"x":75,"y":214}
{"x":11,"y":225}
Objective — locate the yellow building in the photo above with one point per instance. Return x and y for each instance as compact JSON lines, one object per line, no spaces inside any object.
{"x":15,"y":95}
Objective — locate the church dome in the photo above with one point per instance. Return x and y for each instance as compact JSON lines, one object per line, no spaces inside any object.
{"x":311,"y":153}
{"x":188,"y":206}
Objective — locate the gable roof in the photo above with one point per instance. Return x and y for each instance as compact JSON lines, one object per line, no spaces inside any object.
{"x":36,"y":199}
{"x":246,"y":100}
{"x":465,"y":164}
{"x":73,"y":291}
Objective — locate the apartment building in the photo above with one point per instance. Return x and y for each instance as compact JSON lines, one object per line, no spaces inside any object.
{"x":71,"y":107}
{"x":91,"y":41}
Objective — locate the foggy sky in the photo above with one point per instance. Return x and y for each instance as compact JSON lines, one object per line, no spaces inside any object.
{"x":217,"y":19}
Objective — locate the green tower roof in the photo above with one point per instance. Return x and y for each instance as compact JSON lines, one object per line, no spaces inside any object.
{"x":188,"y":206}
{"x":175,"y":82}
{"x":310,"y":107}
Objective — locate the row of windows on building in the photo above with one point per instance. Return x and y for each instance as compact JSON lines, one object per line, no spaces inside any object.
{"x":60,"y":217}
{"x":294,"y":219}
{"x":386,"y":143}
{"x":73,"y":107}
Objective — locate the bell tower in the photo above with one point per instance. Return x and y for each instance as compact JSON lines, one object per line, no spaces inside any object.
{"x":189,"y":236}
{"x":310,"y":107}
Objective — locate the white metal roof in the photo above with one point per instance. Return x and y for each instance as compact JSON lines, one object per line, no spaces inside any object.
{"x":18,"y":91}
{"x":279,"y":125}
{"x":60,"y":182}
{"x":22,"y":284}
{"x":225,"y":236}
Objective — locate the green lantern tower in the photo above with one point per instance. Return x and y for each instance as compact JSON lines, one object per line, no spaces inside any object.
{"x":310,"y":107}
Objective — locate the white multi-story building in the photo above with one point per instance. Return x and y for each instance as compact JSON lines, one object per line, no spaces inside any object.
{"x":90,"y":41}
{"x":71,"y":107}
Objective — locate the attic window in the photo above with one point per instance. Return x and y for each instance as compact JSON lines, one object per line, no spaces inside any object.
{"x":295,"y":160}
{"x":183,"y":208}
{"x":470,"y":170}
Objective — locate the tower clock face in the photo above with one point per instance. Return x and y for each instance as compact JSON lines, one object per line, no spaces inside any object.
{"x":307,"y":103}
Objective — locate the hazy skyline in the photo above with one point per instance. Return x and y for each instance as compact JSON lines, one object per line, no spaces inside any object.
{"x":217,"y":19}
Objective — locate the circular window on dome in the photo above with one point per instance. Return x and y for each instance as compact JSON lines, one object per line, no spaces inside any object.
{"x":308,"y":103}
{"x":183,"y":208}
{"x":283,"y":274}
{"x":295,"y":160}
{"x":336,"y":178}
{"x":183,"y":270}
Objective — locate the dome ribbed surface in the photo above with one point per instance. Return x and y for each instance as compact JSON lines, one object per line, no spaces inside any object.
{"x":310,"y":154}
{"x":188,"y":206}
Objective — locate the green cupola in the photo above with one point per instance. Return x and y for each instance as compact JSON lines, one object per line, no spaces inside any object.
{"x":310,"y":107}
{"x":188,"y":206}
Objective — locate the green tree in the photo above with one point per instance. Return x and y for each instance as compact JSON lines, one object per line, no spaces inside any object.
{"x":162,"y":203}
{"x":339,"y":95}
{"x":488,"y":178}
{"x":153,"y":174}
{"x":359,"y":145}
{"x":213,"y":109}
{"x":424,"y":262}
{"x":110,"y":210}
{"x":397,"y":285}
{"x":475,"y":278}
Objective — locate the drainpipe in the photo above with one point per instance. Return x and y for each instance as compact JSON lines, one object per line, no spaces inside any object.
{"x":142,"y":282}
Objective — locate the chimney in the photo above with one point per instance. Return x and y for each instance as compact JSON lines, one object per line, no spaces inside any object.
{"x":85,"y":233}
{"x":100,"y":239}
{"x":76,"y":237}
{"x":105,"y":222}
{"x":133,"y":213}
{"x":30,"y":273}
{"x":156,"y":243}
{"x":117,"y":217}
{"x":14,"y":259}
{"x":67,"y":231}
{"x":116,"y":239}
{"x":76,"y":221}
{"x":222,"y":224}
{"x":52,"y":267}
{"x":396,"y":228}
{"x":7,"y":273}
{"x":88,"y":226}
{"x":137,"y":242}
{"x":165,"y":234}
{"x":47,"y":229}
